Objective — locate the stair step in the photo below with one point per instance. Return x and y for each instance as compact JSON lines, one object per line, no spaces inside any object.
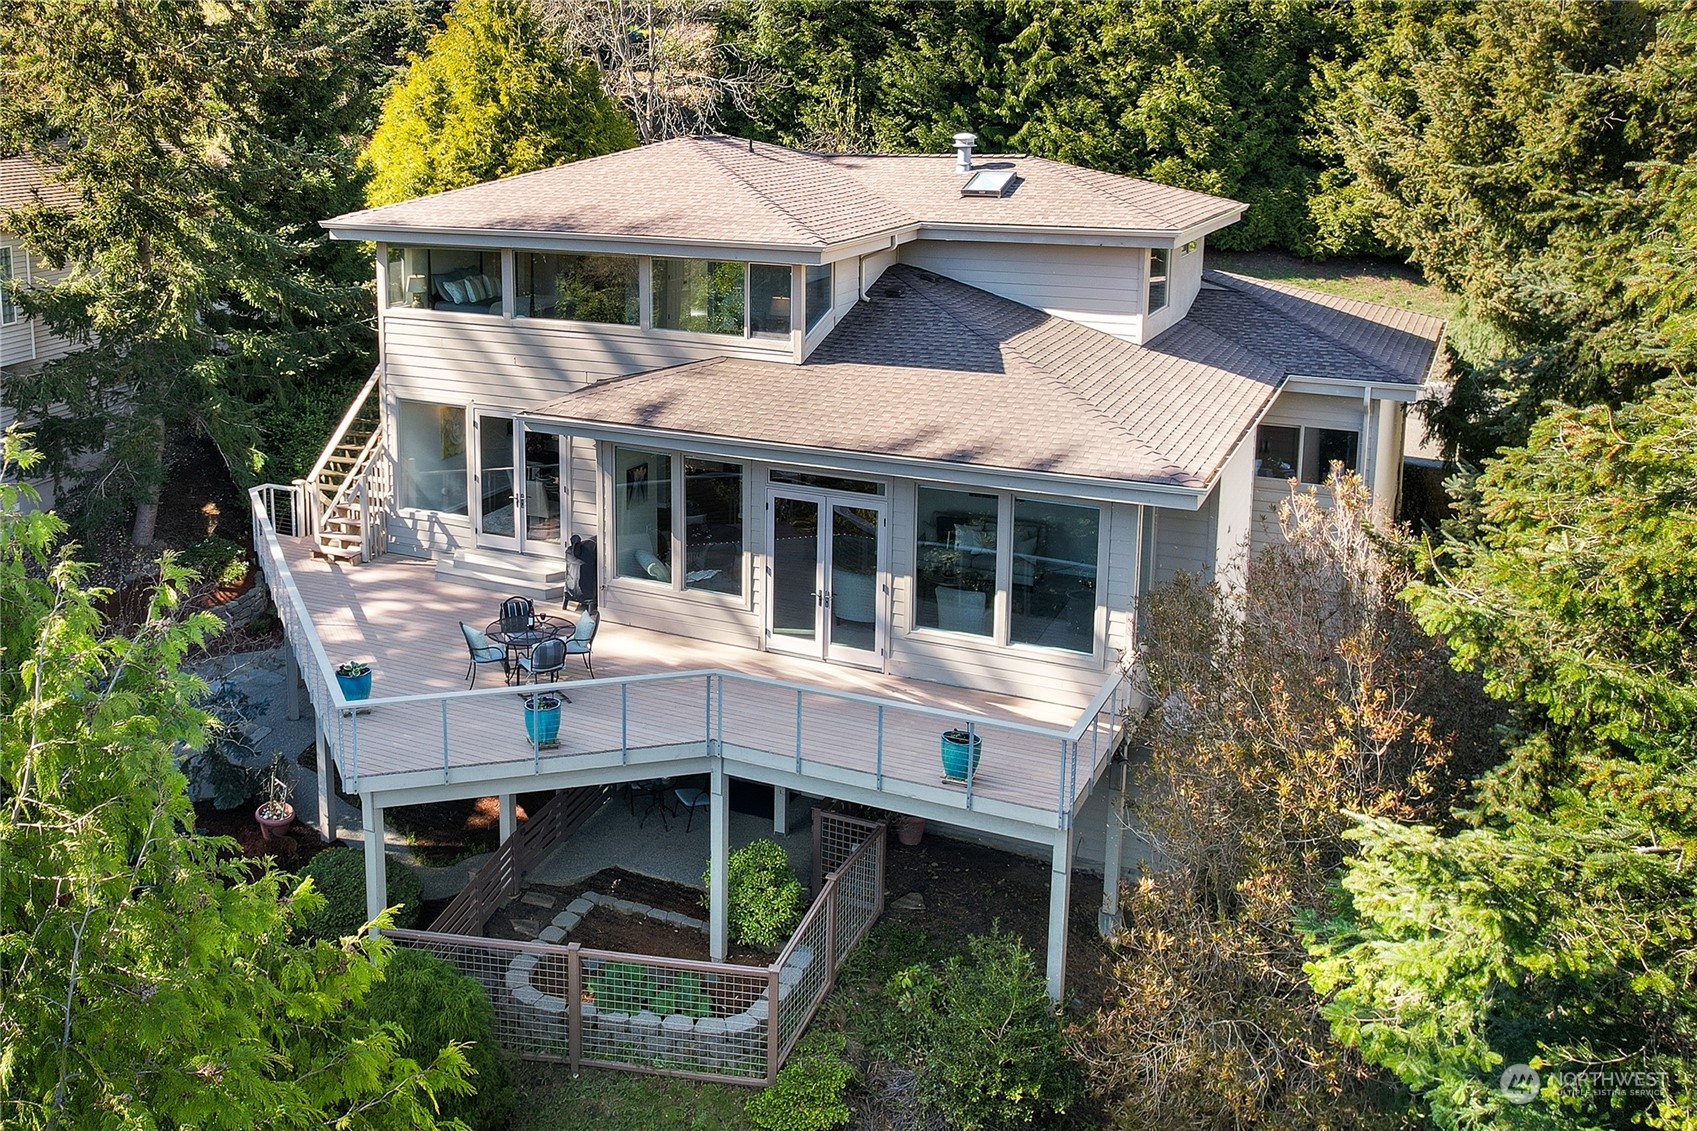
{"x":518,"y":574}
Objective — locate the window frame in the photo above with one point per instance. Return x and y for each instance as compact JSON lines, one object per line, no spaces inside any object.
{"x":1307,"y":442}
{"x":429,"y":304}
{"x":748,"y":331}
{"x":524,"y":263}
{"x":678,"y":532}
{"x":462,"y":438}
{"x":9,"y":314}
{"x":1162,"y":278}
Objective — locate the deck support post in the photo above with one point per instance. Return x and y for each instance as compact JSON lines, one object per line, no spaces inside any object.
{"x":376,"y":876}
{"x":1108,"y":918}
{"x":509,"y":816}
{"x":781,"y":810}
{"x":1060,"y":892}
{"x":292,"y":681}
{"x":719,"y":852}
{"x":326,"y":816}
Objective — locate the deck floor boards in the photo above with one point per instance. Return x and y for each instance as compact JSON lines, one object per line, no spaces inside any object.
{"x":396,"y":614}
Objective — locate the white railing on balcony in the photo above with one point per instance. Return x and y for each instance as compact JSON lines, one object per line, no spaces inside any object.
{"x":864,"y":742}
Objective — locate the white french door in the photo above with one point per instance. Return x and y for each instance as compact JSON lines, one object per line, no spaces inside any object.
{"x":515,"y":484}
{"x":827,"y":561}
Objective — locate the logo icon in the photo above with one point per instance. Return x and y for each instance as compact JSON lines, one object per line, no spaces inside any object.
{"x":1519,"y":1083}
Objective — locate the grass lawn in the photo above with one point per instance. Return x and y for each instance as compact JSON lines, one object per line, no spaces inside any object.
{"x":550,"y":1100}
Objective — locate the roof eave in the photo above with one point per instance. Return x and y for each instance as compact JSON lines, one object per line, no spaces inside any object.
{"x":1138,"y":492}
{"x":440,"y":236}
{"x":1061,"y":233}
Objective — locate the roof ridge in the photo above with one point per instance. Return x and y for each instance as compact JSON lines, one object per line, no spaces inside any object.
{"x":1250,"y":288}
{"x":772,"y":205}
{"x":1032,"y":367}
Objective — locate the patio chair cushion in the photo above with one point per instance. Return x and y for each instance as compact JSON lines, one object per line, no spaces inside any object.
{"x":481,"y":649}
{"x":583,"y":633}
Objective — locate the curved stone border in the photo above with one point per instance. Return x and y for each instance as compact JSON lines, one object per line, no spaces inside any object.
{"x":736,"y":1041}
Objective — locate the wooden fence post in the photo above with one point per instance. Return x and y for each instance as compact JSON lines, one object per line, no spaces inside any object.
{"x":771,"y":1025}
{"x":574,"y":1005}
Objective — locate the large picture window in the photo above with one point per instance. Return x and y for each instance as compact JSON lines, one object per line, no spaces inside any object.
{"x":769,"y":295}
{"x":582,"y":288}
{"x":698,"y":294}
{"x":1054,"y":574}
{"x":956,"y":572}
{"x":713,"y":525}
{"x":467,"y":280}
{"x":642,"y":514}
{"x":430,"y":451}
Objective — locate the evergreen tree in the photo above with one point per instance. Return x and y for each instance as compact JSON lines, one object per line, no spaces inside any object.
{"x":490,"y":97}
{"x":146,"y":980}
{"x":204,"y":142}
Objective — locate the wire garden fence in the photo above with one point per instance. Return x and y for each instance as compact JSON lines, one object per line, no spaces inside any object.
{"x":676,"y":1017}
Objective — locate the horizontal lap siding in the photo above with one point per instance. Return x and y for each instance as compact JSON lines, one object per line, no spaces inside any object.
{"x":1184,"y":279}
{"x":1184,"y":542}
{"x":27,"y":341}
{"x":1096,"y":286}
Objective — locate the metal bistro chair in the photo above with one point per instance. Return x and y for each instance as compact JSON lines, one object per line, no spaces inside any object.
{"x":517,"y":614}
{"x":582,"y":639}
{"x":483,"y":651}
{"x":547,"y":658}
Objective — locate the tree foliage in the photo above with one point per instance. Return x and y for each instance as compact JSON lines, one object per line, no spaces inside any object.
{"x":491,"y":96}
{"x":203,"y":142}
{"x":1531,"y":158}
{"x":1281,"y":709}
{"x":147,"y":980}
{"x":1557,"y":931}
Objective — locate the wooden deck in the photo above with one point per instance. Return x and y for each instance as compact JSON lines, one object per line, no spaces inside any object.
{"x":826,"y":728}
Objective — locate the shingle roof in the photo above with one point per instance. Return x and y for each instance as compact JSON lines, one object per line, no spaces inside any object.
{"x":933,"y":369}
{"x":726,"y":190}
{"x":22,"y":184}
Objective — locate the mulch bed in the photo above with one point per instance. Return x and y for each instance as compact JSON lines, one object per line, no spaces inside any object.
{"x":292,"y":847}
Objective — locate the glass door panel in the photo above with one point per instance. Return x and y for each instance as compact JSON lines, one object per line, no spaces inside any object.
{"x":498,"y":502}
{"x":794,"y":604}
{"x":541,"y":490}
{"x":855,"y":611}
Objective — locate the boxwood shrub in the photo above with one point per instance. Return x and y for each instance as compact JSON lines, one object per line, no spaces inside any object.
{"x":338,"y":874}
{"x":765,"y":896}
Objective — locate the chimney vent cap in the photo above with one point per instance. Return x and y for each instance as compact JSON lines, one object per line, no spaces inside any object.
{"x":963,"y":151}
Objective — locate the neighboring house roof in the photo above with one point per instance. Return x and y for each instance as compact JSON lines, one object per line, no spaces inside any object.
{"x":932,"y":369}
{"x":724,"y":190}
{"x":22,"y":184}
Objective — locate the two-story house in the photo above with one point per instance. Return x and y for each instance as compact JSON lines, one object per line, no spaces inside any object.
{"x":25,"y":343}
{"x":863,"y":446}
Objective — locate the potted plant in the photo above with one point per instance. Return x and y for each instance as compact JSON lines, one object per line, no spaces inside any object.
{"x":910,"y":830}
{"x":275,"y":813}
{"x":960,"y":753}
{"x":542,"y":720}
{"x":354,"y":677}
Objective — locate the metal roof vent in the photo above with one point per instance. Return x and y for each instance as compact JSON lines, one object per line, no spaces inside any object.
{"x":963,"y":151}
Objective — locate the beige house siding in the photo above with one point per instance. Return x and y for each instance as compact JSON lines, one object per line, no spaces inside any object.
{"x":1184,"y":279}
{"x":1099,"y":287}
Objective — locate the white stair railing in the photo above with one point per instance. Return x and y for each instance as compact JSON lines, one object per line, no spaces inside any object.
{"x":339,"y":493}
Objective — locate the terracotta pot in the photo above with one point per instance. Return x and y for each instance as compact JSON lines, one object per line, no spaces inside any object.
{"x":910,"y":830}
{"x":270,"y":825}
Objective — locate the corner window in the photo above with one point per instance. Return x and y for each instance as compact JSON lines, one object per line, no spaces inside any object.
{"x":642,"y":514}
{"x":698,"y":294}
{"x":8,"y":308}
{"x":581,"y":288}
{"x":467,"y":280}
{"x":430,"y":452}
{"x":1286,"y":452}
{"x":818,"y":295}
{"x":956,"y":571}
{"x":1054,"y":574}
{"x":1158,"y":260}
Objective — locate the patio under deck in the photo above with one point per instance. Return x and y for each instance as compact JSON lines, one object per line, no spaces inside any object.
{"x":670,"y":702}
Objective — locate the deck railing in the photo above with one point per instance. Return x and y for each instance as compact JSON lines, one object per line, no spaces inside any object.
{"x":671,"y":1016}
{"x":754,"y":721}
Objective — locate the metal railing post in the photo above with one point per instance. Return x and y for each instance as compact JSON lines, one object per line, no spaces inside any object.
{"x":444,"y":740}
{"x":878,"y":768}
{"x":624,"y":724}
{"x":971,"y":749}
{"x":798,"y":730}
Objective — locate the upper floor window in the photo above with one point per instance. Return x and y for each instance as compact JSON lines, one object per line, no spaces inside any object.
{"x":1286,"y":452}
{"x":445,"y":278}
{"x":8,"y":308}
{"x":582,"y":288}
{"x":1159,"y":258}
{"x":721,"y":297}
{"x":818,"y":294}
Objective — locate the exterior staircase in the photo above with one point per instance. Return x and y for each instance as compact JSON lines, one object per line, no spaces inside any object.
{"x":347,"y":492}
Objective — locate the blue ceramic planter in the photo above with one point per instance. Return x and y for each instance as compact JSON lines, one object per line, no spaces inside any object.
{"x":542,"y":722}
{"x":355,"y":686}
{"x":960,"y":756}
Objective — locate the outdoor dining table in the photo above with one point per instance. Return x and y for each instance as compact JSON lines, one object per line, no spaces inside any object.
{"x":521,"y":638}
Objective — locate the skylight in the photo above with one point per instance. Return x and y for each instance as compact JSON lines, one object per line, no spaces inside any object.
{"x":987,"y":182}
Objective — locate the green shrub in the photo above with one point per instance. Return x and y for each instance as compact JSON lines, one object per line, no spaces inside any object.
{"x":765,"y":896}
{"x":985,"y":1039}
{"x":622,"y":987}
{"x":338,"y":874}
{"x":434,"y":1004}
{"x":808,"y":1095}
{"x":217,"y":560}
{"x":685,"y":995}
